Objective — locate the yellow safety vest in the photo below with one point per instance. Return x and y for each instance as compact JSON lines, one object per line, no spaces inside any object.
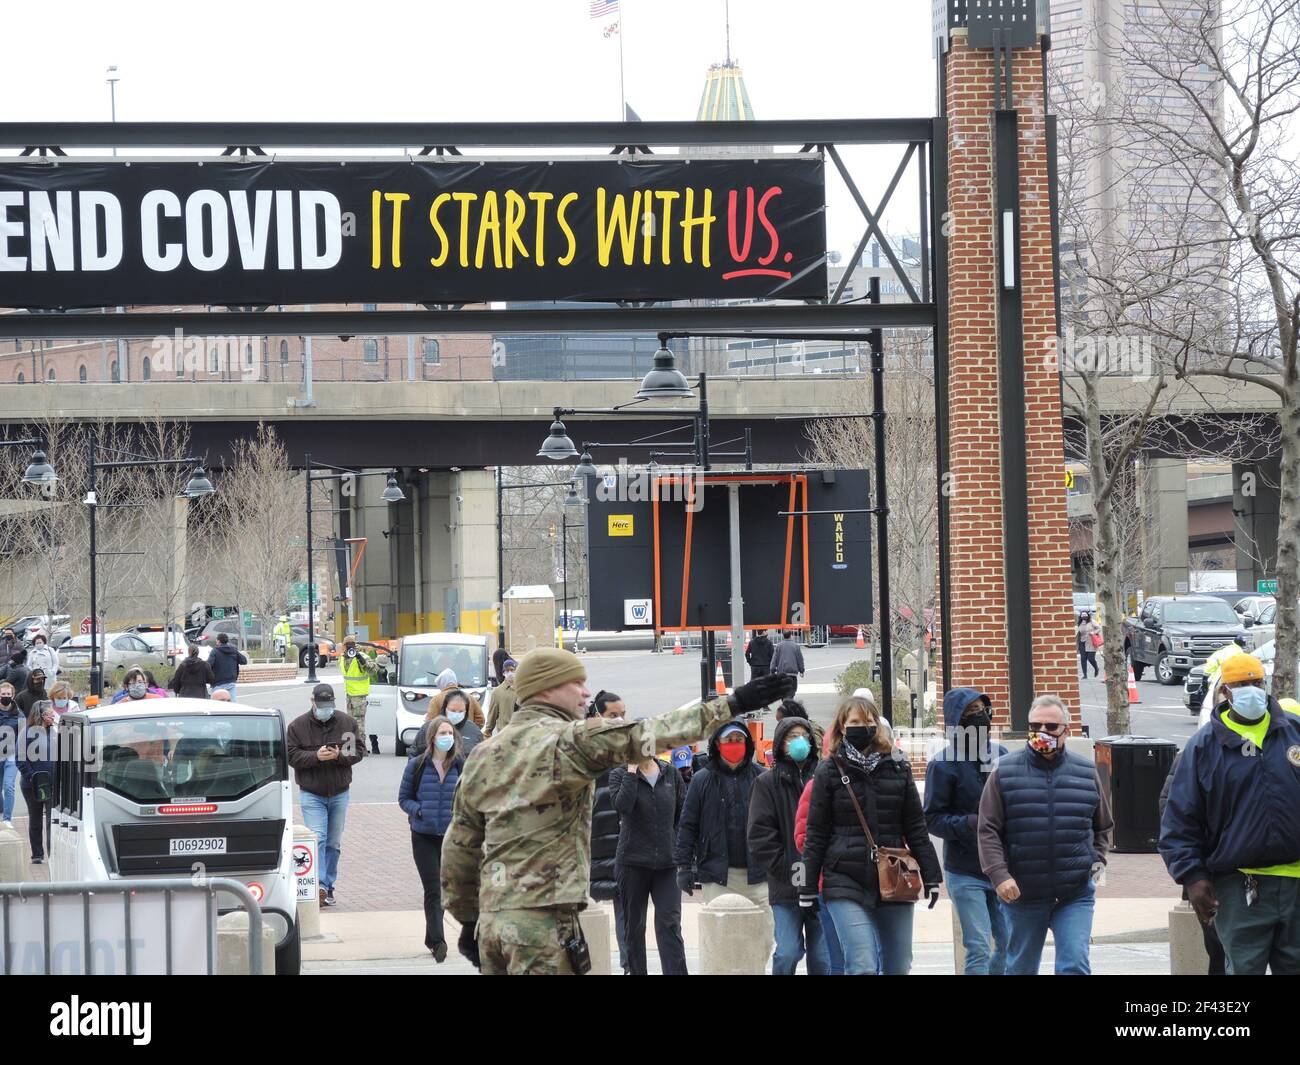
{"x":356,"y":681}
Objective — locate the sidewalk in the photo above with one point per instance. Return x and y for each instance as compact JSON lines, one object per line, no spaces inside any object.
{"x":1129,"y":935}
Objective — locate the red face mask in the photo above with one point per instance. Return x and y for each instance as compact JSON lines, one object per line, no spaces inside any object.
{"x":732,"y":751}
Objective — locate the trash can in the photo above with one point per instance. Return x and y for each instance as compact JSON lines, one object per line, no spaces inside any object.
{"x":1131,"y":770}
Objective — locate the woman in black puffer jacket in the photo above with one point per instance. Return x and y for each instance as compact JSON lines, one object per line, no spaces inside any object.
{"x":604,"y":830}
{"x":876,"y":936}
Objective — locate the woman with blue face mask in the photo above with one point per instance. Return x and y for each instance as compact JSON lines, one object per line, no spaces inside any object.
{"x":772,"y":810}
{"x":458,"y":708}
{"x":425,"y":796}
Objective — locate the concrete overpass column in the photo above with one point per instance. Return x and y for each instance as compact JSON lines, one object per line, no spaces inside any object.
{"x":472,"y":506}
{"x":1164,"y":499}
{"x":1256,"y":490}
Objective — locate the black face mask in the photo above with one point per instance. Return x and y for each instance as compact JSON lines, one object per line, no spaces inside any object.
{"x":981,"y":720}
{"x":6,"y":701}
{"x":860,"y":737}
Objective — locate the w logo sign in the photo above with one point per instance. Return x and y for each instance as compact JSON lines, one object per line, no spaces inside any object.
{"x":638,"y":612}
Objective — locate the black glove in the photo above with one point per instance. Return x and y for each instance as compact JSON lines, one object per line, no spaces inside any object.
{"x":761,"y":692}
{"x":932,"y":890}
{"x":468,"y":945}
{"x":686,"y":881}
{"x":808,"y":901}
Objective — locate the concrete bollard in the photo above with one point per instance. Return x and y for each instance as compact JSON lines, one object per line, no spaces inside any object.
{"x":1187,"y":955}
{"x":232,"y":945}
{"x":304,"y":842}
{"x":733,"y":937}
{"x":595,"y":920}
{"x":13,"y":857}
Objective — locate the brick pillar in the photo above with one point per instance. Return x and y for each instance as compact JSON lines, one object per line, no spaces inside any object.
{"x":977,"y":557}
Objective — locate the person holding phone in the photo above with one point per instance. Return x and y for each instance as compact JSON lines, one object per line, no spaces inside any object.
{"x":323,"y":746}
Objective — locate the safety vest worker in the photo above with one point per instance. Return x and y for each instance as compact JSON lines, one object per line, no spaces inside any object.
{"x":1215,"y":662}
{"x":357,"y":669}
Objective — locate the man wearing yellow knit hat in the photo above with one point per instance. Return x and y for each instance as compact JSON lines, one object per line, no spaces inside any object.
{"x":516,"y":857}
{"x":1231,"y":829}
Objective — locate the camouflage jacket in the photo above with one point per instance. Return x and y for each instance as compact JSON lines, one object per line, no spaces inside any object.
{"x":501,"y":708}
{"x":520,"y":833}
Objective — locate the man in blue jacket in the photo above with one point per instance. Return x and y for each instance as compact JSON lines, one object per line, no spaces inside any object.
{"x":1231,"y":829}
{"x":954,"y":781}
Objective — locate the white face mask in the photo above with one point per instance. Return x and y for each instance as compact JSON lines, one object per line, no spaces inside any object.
{"x":456,"y":717}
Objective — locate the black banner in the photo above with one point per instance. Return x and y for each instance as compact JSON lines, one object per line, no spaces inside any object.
{"x":621,"y":549}
{"x":230,"y":232}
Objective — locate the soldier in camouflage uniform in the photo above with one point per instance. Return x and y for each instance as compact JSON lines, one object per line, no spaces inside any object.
{"x":516,"y":857}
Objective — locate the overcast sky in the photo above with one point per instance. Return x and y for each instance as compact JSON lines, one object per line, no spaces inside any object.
{"x":460,"y":60}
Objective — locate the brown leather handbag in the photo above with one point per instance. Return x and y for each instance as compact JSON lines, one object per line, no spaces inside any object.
{"x":897,"y":867}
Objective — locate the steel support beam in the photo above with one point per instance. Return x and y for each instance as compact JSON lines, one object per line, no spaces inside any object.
{"x":807,"y":318}
{"x":220,"y":135}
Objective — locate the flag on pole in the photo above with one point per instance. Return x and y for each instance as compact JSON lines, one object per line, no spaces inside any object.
{"x":603,"y":8}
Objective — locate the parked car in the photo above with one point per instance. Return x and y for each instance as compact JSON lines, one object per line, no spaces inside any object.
{"x":230,"y":626}
{"x":173,"y":645}
{"x":1175,"y":633}
{"x":1231,"y":598}
{"x":123,"y":650}
{"x":1259,"y":614}
{"x":24,"y":626}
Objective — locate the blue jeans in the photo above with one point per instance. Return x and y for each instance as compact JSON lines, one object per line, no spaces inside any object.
{"x":983,"y":929}
{"x":875,"y":942}
{"x":834,"y":953}
{"x":229,"y":686}
{"x":10,"y":777}
{"x":326,"y":818}
{"x":796,"y":926}
{"x":1071,"y":923}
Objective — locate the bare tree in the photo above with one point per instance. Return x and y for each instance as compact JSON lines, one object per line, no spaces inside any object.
{"x":910,"y":477}
{"x":259,"y":525}
{"x":1238,"y":157}
{"x":49,"y":539}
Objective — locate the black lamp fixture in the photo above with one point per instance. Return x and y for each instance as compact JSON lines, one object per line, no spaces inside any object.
{"x":39,"y":471}
{"x":586,"y":467}
{"x":198,"y":484}
{"x":393,"y":494}
{"x":572,"y":498}
{"x":664,"y":381}
{"x":557,"y":444}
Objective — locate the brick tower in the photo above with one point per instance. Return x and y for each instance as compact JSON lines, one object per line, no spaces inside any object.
{"x":1005,"y":552}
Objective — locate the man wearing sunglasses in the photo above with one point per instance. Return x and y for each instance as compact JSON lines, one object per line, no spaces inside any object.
{"x":1231,"y":828}
{"x":1044,"y":830}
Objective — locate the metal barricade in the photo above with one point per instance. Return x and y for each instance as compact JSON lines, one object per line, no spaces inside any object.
{"x":168,"y":887}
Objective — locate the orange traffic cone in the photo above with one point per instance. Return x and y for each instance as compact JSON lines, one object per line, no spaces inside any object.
{"x":1133,"y":696}
{"x":719,"y":683}
{"x":860,"y":642}
{"x":677,"y":645}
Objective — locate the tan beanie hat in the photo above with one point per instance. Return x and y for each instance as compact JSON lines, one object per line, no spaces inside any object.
{"x":544,"y":669}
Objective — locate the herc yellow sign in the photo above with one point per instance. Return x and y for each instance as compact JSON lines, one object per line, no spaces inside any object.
{"x":620,"y":525}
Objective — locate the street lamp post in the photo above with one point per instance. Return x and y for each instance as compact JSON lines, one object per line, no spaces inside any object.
{"x":112,"y":97}
{"x":391,"y":494}
{"x":664,"y":381}
{"x":197,"y":486}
